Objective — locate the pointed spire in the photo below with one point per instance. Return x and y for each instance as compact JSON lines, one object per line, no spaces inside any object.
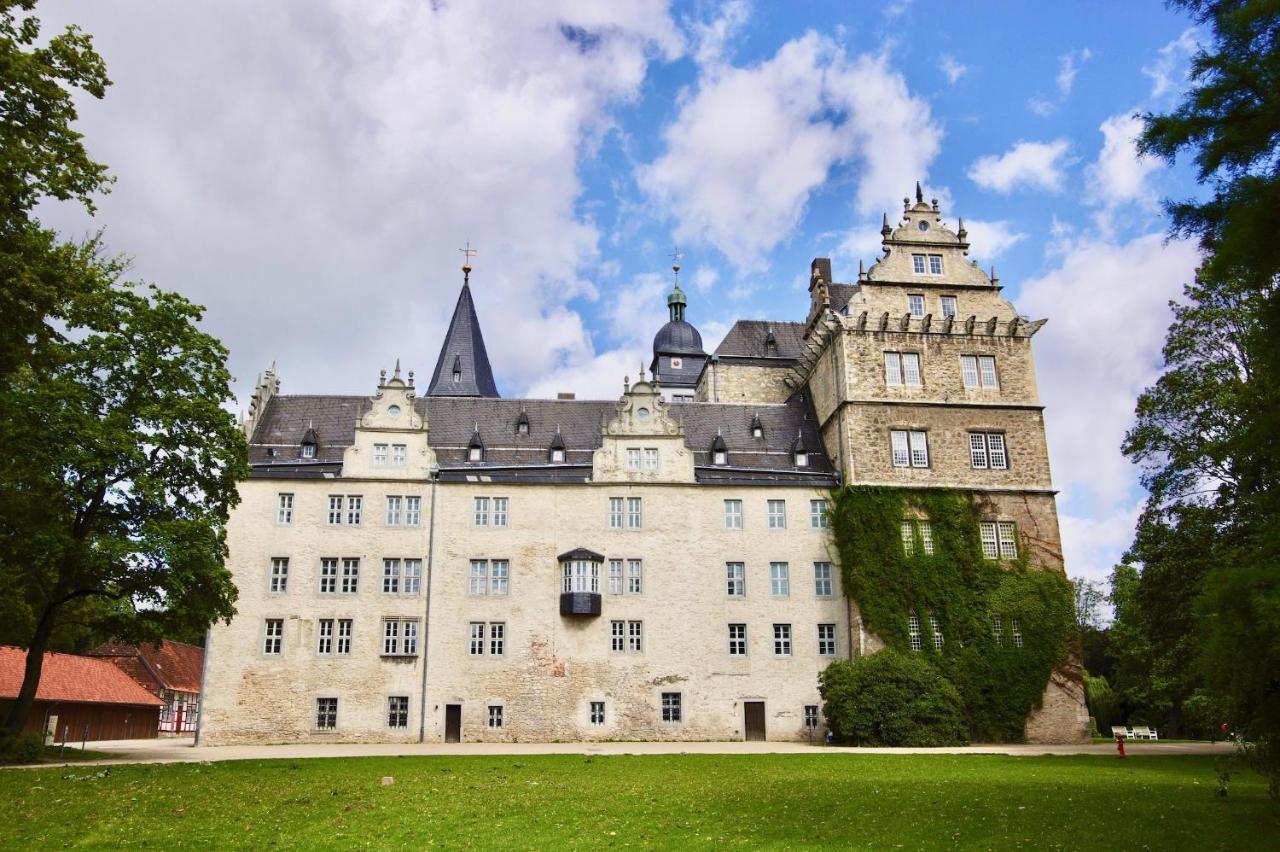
{"x":396,"y":375}
{"x":961,"y":232}
{"x":463,"y":366}
{"x":919,"y":194}
{"x":885,"y":230}
{"x":862,"y":271}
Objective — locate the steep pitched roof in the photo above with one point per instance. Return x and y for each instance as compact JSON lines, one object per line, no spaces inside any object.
{"x":463,"y":354}
{"x":170,"y":665}
{"x":747,"y":339}
{"x":66,"y":677}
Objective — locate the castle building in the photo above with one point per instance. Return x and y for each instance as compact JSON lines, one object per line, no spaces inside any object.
{"x":456,"y":566}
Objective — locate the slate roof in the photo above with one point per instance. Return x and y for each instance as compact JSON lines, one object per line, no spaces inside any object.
{"x":841,"y":295}
{"x":463,"y":351}
{"x":66,"y":677}
{"x":453,"y":421}
{"x":678,"y":337}
{"x":174,"y":666}
{"x":747,"y":340}
{"x":685,"y":377}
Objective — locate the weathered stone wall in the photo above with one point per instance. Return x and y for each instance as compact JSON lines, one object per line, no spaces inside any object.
{"x":732,"y":382}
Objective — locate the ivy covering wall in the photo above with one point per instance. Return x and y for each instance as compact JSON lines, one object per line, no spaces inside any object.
{"x":998,"y":682}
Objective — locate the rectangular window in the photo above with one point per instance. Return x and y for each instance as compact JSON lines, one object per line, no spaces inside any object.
{"x":399,"y":637}
{"x":671,"y":707}
{"x":273,"y":632}
{"x":615,"y":576}
{"x":344,"y":636}
{"x":818,"y":514}
{"x":279,"y":576}
{"x":379,"y":455}
{"x":284,"y":509}
{"x":948,"y":306}
{"x":915,"y":303}
{"x":926,"y":537}
{"x":1008,"y":534}
{"x":811,"y":716}
{"x":737,"y":640}
{"x":995,"y":448}
{"x":350,"y":576}
{"x":987,"y":371}
{"x":635,"y":636}
{"x":633,"y":458}
{"x":477,"y":639}
{"x":978,"y":371}
{"x":615,"y":513}
{"x":935,"y":264}
{"x":399,"y":455}
{"x":354,"y":504}
{"x":733,"y":514}
{"x":900,"y":451}
{"x":822,"y":579}
{"x":324,"y":636}
{"x":635,"y":577}
{"x":777,"y":514}
{"x":736,"y":578}
{"x":393,"y":511}
{"x":997,"y":630}
{"x":826,"y":640}
{"x":917,"y":264}
{"x":495,"y":715}
{"x":902,"y":368}
{"x":908,"y":538}
{"x":913,"y":631}
{"x":500,"y":513}
{"x":398,"y":711}
{"x":893,"y":368}
{"x":412,"y":576}
{"x":936,"y":627}
{"x":326,"y":714}
{"x":482,"y":511}
{"x":978,"y":451}
{"x":412,"y":511}
{"x":479,"y":577}
{"x":919,"y":449}
{"x":779,"y":579}
{"x":782,"y":640}
{"x":335,"y":509}
{"x":909,"y":448}
{"x":499,"y":577}
{"x":597,"y":713}
{"x":1016,"y":626}
{"x":986,"y":450}
{"x":650,"y":458}
{"x":990,"y":543}
{"x":391,"y":576}
{"x":634,"y":517}
{"x":328,"y":576}
{"x":617,"y":635}
{"x":497,"y":638}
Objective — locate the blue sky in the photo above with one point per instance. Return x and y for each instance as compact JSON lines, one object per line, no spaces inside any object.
{"x":308,"y":170}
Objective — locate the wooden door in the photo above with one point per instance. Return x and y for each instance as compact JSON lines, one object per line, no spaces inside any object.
{"x":753,"y":719}
{"x":453,"y":723}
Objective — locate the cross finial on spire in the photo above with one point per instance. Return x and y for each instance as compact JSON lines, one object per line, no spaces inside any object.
{"x":467,"y":254}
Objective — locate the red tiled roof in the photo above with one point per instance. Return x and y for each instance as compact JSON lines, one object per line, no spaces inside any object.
{"x":175,"y":665}
{"x":66,"y":677}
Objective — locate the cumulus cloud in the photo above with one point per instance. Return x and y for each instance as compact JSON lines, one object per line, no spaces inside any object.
{"x":1068,"y":67}
{"x":749,"y":146}
{"x":1169,"y":70}
{"x":989,"y":240}
{"x":1092,"y":546}
{"x":1037,"y":165}
{"x":951,"y":69}
{"x":711,"y":38}
{"x":314,"y":191}
{"x":1119,"y":175}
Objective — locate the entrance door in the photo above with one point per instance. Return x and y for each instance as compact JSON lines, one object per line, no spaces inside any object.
{"x":453,"y":723}
{"x":753,"y":718}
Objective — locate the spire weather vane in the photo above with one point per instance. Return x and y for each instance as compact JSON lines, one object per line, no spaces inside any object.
{"x":467,"y":254}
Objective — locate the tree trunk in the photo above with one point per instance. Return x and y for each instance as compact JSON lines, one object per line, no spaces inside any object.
{"x":21,"y":709}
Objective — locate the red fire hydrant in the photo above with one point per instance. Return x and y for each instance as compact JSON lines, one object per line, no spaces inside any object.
{"x":1120,"y":744}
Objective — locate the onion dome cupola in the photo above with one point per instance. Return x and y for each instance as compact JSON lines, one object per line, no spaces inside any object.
{"x":678,"y":356}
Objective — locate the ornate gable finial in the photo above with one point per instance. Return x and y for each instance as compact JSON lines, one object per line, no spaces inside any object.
{"x":919,"y":194}
{"x":885,"y":230}
{"x":396,"y":375}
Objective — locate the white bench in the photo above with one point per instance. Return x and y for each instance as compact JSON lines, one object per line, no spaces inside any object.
{"x":1121,"y":731}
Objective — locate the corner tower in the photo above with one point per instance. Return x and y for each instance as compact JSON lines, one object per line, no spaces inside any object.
{"x":463,"y":367}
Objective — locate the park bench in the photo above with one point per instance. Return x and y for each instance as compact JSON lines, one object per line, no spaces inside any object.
{"x":1121,"y":731}
{"x":1144,"y":733}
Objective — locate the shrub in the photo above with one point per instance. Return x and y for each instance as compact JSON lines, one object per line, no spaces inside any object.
{"x":22,"y":748}
{"x":1104,"y":704}
{"x":1202,"y":717}
{"x":891,"y":698}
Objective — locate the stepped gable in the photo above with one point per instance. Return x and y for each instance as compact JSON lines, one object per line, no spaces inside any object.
{"x":463,"y":366}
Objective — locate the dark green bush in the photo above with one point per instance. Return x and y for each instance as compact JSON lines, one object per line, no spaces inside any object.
{"x":1202,"y":717}
{"x":891,"y":698}
{"x":23,"y":748}
{"x":1104,"y":704}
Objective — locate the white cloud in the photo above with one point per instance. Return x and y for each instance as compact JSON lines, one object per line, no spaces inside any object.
{"x":1092,"y":546}
{"x":1119,"y":175}
{"x":314,"y":191}
{"x":951,"y":69}
{"x":1038,"y":165}
{"x":711,"y":38}
{"x":1068,"y":67}
{"x":1041,"y":106}
{"x":1169,"y":70}
{"x":750,"y":145}
{"x":704,"y":278}
{"x":989,"y":240}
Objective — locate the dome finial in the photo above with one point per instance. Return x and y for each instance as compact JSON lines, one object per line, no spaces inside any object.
{"x":467,"y":254}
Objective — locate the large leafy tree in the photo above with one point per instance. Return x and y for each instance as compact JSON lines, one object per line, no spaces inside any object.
{"x":118,"y":462}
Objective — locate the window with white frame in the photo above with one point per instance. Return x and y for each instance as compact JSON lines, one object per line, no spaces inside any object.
{"x":308,"y":450}
{"x":335,"y":509}
{"x":782,"y":640}
{"x":913,"y":631}
{"x":935,"y":264}
{"x":902,"y":368}
{"x":733,"y":514}
{"x":324,"y":636}
{"x":822,"y":579}
{"x":997,"y":630}
{"x":737,"y":640}
{"x":394,"y":505}
{"x":596,"y":713}
{"x":633,"y":458}
{"x":987,"y":450}
{"x":635,"y":577}
{"x":391,"y":576}
{"x":635,"y":636}
{"x":499,"y":577}
{"x":479,"y":577}
{"x":634,"y":516}
{"x":671,"y":710}
{"x":777,"y":514}
{"x":779,"y":579}
{"x":581,"y":575}
{"x":344,"y":636}
{"x":476,"y":648}
{"x":1015,"y":625}
{"x":350,"y":576}
{"x":615,"y":513}
{"x":279,"y":575}
{"x":481,"y":518}
{"x":948,"y":306}
{"x":328,"y":576}
{"x":626,"y":636}
{"x":826,"y":640}
{"x":412,"y":511}
{"x":500,"y":511}
{"x":650,"y":458}
{"x":909,"y":448}
{"x":915,"y":304}
{"x":354,"y":506}
{"x":936,"y":627}
{"x":999,"y":539}
{"x":818,"y":514}
{"x":399,"y":455}
{"x":495,"y":715}
{"x":735,"y":574}
{"x":617,"y":635}
{"x":412,"y":576}
{"x":398,"y":711}
{"x":918,"y":264}
{"x":497,"y":638}
{"x":273,"y":636}
{"x":399,"y":637}
{"x":475,"y":453}
{"x":926,"y":537}
{"x":615,"y":577}
{"x":978,"y":371}
{"x":908,"y":538}
{"x":284,"y":509}
{"x":379,"y":455}
{"x":326,"y":714}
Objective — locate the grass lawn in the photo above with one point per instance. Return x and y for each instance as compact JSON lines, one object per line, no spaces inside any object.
{"x":847,"y":800}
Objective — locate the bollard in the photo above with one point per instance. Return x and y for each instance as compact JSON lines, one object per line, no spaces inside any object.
{"x":1120,"y":744}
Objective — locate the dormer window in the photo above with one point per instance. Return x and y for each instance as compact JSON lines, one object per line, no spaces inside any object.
{"x":757,"y":428}
{"x":770,"y":343}
{"x":719,"y":452}
{"x":307,"y":448}
{"x":802,"y":458}
{"x":799,"y":452}
{"x":522,"y":424}
{"x":475,"y":449}
{"x":457,"y":369}
{"x":556,"y":454}
{"x":308,"y":451}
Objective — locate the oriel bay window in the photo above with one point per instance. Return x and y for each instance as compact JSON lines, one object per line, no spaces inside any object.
{"x":580,"y":582}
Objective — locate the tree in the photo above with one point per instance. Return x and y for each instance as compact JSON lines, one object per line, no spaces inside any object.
{"x":1089,"y":598}
{"x":891,"y":698}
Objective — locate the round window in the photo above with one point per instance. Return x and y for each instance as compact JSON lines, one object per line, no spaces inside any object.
{"x":642,"y":413}
{"x":393,"y":411}
{"x":924,"y":226}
